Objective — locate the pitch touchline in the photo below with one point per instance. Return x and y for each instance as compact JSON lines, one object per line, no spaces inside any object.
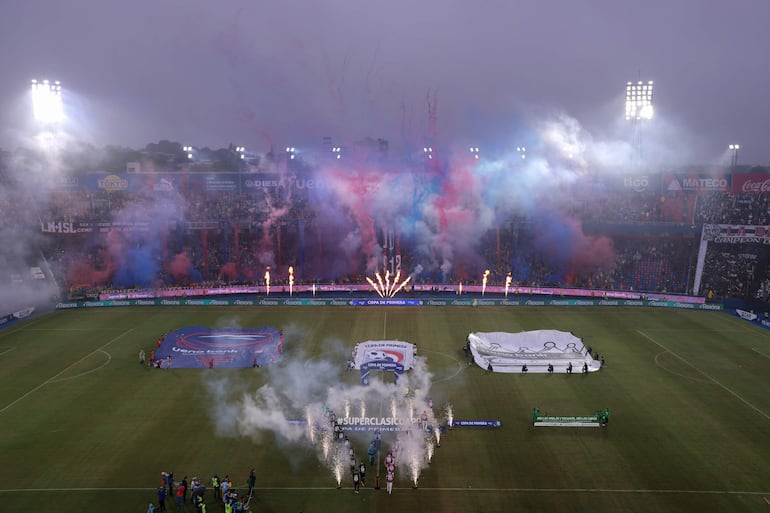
{"x":52,"y":378}
{"x":765,"y":415}
{"x":450,"y":489}
{"x":753,"y":349}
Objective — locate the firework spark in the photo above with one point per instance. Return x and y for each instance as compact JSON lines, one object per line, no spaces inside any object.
{"x":450,"y":415}
{"x":386,"y":287}
{"x":310,"y":426}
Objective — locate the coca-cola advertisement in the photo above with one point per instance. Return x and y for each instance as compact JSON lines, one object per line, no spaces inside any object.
{"x":752,"y":183}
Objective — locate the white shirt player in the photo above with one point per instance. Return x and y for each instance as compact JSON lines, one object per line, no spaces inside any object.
{"x":389,"y":479}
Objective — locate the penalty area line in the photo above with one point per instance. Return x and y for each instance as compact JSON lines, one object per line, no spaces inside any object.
{"x":68,"y":367}
{"x":753,"y":349}
{"x":734,"y":394}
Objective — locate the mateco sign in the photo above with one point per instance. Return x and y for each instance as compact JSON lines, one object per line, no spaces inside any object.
{"x":695,"y":182}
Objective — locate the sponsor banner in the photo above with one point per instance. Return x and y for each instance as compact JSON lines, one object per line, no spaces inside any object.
{"x":386,"y":302}
{"x":743,"y":314}
{"x":65,"y":227}
{"x":695,"y":182}
{"x":107,"y":182}
{"x":9,"y":319}
{"x":568,"y":421}
{"x":65,"y":183}
{"x":639,"y":183}
{"x":123,"y":226}
{"x":201,"y":347}
{"x":751,"y":183}
{"x":138,"y":300}
{"x":477,"y":423}
{"x":21,"y":314}
{"x":257,"y":182}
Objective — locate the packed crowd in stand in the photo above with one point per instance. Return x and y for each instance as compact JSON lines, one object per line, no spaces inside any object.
{"x":186,"y":237}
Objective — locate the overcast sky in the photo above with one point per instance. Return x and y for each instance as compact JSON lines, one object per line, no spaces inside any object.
{"x":256,"y":72}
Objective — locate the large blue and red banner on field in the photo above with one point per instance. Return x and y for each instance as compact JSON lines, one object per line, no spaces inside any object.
{"x":201,"y":347}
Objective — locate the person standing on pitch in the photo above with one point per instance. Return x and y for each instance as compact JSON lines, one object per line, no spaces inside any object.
{"x":356,"y":481}
{"x":362,"y":471}
{"x":215,"y":486}
{"x":389,"y":479}
{"x":161,"y":498}
{"x":252,"y":480}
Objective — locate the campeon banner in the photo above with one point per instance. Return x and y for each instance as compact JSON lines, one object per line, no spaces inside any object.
{"x":388,"y":355}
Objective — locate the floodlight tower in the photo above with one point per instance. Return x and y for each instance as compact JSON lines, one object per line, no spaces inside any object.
{"x":189,"y":151}
{"x":639,"y":108}
{"x":734,"y":156}
{"x":337,"y":151}
{"x":475,"y":152}
{"x":521,"y":150}
{"x":47,"y":101}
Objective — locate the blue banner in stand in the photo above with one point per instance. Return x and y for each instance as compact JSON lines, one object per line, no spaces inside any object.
{"x":477,"y":423}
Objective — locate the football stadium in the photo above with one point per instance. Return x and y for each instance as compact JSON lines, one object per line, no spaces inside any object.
{"x":549,"y":320}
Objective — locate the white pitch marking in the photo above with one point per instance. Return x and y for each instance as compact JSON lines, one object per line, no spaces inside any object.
{"x":765,"y":415}
{"x":52,"y":378}
{"x":109,"y":359}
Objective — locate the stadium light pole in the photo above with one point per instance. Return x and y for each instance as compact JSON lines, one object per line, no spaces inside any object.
{"x":639,"y":108}
{"x":337,"y":151}
{"x":47,"y":104}
{"x":475,"y":152}
{"x":291,"y":151}
{"x":521,"y":150}
{"x":189,"y":151}
{"x":428,"y":150}
{"x":734,"y":156}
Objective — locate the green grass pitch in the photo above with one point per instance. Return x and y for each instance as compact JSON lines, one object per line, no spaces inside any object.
{"x":85,"y":428}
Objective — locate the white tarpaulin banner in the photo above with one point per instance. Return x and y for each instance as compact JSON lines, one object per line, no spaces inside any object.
{"x":511,"y":352}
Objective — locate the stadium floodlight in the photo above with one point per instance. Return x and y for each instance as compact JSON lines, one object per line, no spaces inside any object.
{"x":242,"y":151}
{"x":475,"y":152}
{"x":522,"y":151}
{"x":734,"y":157}
{"x":428,"y":151}
{"x":290,"y":150}
{"x":189,"y":151}
{"x":639,"y":100}
{"x":337,"y":150}
{"x":47,"y":101}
